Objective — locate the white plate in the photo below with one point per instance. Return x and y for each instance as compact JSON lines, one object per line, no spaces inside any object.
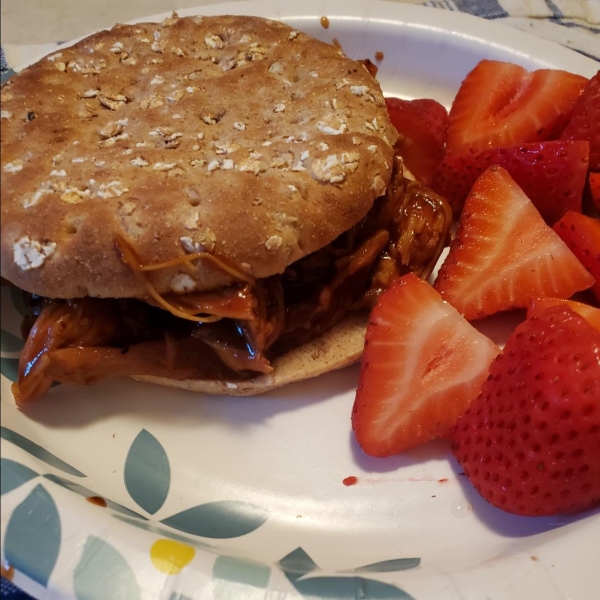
{"x":231,"y":498}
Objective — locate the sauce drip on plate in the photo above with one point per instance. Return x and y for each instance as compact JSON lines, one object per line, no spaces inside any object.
{"x":7,"y":571}
{"x":97,"y":500}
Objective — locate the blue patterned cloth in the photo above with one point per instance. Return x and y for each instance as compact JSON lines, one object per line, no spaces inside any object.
{"x":7,"y":590}
{"x":571,"y":23}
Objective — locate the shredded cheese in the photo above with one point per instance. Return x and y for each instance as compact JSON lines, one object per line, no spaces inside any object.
{"x":131,"y":258}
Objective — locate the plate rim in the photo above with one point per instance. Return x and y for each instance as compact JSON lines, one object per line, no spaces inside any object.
{"x":488,"y":30}
{"x":427,"y":17}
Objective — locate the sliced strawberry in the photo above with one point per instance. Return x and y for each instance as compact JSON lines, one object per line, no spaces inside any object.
{"x":423,"y":364}
{"x":502,"y":104}
{"x":529,"y":443}
{"x":585,"y":121}
{"x":422,"y":125}
{"x":582,"y":235}
{"x":552,"y":174}
{"x":504,"y":255}
{"x":595,"y":189}
{"x":589,"y":313}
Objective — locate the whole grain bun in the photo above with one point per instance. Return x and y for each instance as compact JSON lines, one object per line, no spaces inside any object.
{"x":233,"y":135}
{"x":337,"y":348}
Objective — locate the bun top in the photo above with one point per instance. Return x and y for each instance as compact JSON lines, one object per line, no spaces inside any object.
{"x":237,"y":136}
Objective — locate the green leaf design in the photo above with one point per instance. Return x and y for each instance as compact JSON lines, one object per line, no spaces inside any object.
{"x":147,"y":472}
{"x":10,"y":368}
{"x":222,"y":519}
{"x":36,"y":450}
{"x":32,"y":538}
{"x":87,"y":493}
{"x":13,"y":475}
{"x":296,"y":564}
{"x":348,"y":588}
{"x":241,"y":570}
{"x":387,"y":566}
{"x":103,"y":573}
{"x":239,"y":578}
{"x":10,"y":342}
{"x":145,"y":525}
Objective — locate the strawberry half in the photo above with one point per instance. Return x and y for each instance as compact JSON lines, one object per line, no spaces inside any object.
{"x":595,"y":189}
{"x":582,"y":235}
{"x":422,"y":366}
{"x":502,"y":104}
{"x":504,"y":255}
{"x":552,"y":174}
{"x":589,"y":313}
{"x":585,"y":120}
{"x":530,"y":442}
{"x":422,"y":125}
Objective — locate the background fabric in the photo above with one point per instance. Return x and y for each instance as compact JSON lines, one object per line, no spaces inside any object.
{"x":9,"y":592}
{"x":571,"y":23}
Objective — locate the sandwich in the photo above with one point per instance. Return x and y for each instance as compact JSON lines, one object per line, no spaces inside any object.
{"x":212,"y":203}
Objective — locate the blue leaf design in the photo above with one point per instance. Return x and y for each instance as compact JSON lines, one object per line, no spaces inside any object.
{"x":103,"y":573}
{"x":36,"y":450}
{"x":10,"y":342}
{"x":6,"y":75}
{"x":10,"y":368}
{"x":16,"y":295}
{"x":387,"y":566}
{"x":32,"y":538}
{"x":167,"y":533}
{"x":176,"y":596}
{"x":221,"y":519}
{"x":349,"y":588}
{"x":87,"y":493}
{"x":147,"y":472}
{"x":13,"y":475}
{"x":296,"y":564}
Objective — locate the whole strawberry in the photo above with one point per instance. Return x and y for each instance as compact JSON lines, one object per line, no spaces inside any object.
{"x":422,"y":125}
{"x":582,"y":235}
{"x":585,"y":120}
{"x":552,"y":174}
{"x":530,"y":443}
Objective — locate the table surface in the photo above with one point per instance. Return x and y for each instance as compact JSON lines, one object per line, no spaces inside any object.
{"x":572,"y":23}
{"x":43,"y":21}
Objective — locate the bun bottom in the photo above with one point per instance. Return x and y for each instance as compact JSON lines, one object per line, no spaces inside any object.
{"x":339,"y":347}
